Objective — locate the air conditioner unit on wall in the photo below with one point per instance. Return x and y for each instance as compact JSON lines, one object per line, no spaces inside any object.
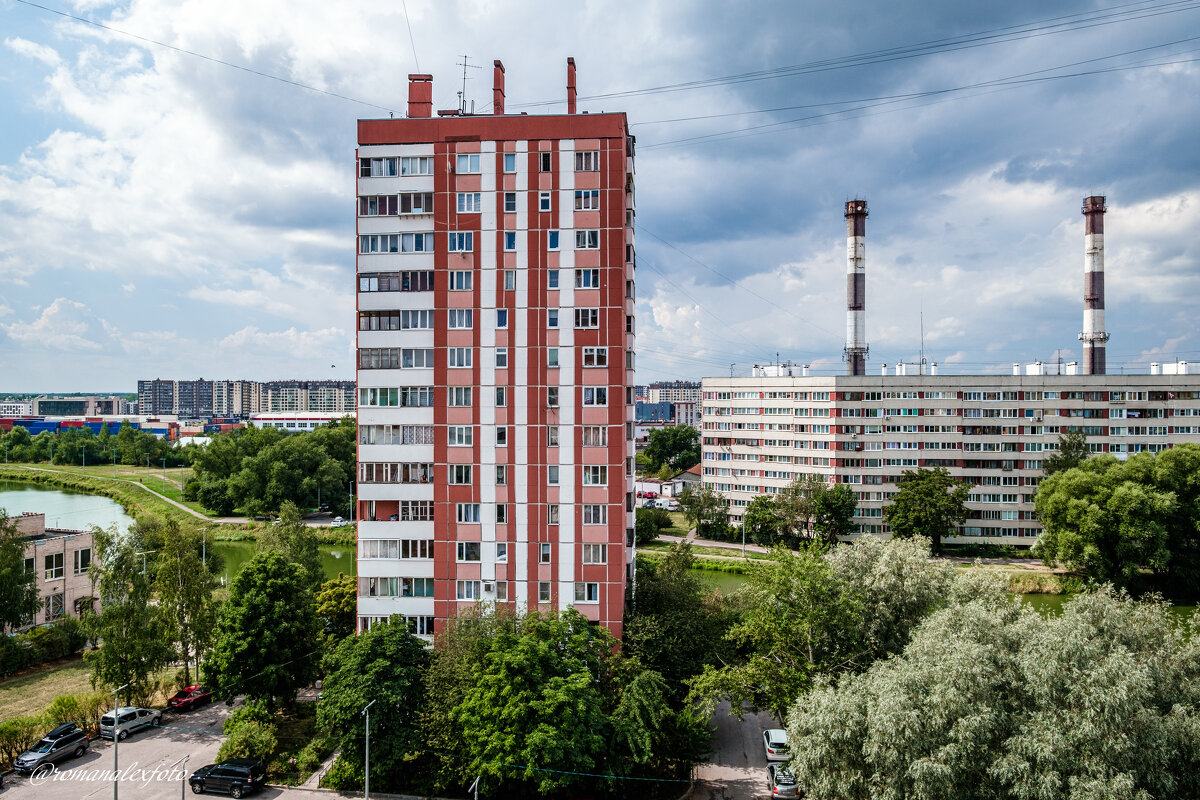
{"x":488,"y":586}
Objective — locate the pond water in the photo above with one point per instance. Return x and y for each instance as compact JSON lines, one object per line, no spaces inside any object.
{"x":63,"y":509}
{"x":334,"y":558}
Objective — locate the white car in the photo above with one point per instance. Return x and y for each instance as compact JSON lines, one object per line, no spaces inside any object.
{"x":337,"y":522}
{"x":775,"y":742}
{"x":129,"y":719}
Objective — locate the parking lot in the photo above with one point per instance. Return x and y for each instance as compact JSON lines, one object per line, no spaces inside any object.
{"x":149,"y":759}
{"x":738,"y":769}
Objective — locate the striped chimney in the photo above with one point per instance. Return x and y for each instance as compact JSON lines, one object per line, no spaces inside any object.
{"x":1094,"y":336}
{"x":855,"y":354}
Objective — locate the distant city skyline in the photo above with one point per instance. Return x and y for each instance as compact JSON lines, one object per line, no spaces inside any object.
{"x":158,"y":208}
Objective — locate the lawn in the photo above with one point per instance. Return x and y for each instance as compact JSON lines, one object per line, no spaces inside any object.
{"x":30,"y":692}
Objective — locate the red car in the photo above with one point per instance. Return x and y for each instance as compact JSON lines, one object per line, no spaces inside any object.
{"x":189,"y":697}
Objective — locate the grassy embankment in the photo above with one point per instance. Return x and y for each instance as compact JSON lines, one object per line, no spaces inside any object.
{"x":31,"y":691}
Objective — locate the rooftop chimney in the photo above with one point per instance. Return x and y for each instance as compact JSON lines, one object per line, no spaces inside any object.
{"x":1094,"y":336}
{"x":856,"y":350}
{"x":571,"y":86}
{"x":498,"y":88}
{"x":420,"y":96}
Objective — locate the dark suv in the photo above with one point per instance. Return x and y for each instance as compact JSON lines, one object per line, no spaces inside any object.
{"x":235,"y":777}
{"x":65,"y":740}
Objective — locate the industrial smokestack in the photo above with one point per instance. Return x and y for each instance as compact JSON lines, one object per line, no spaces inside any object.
{"x":856,"y":288}
{"x":1094,"y":336}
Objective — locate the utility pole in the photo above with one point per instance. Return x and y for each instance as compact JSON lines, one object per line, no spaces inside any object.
{"x":116,"y":735}
{"x":367,"y":774}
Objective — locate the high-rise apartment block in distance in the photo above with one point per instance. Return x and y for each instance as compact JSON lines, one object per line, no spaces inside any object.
{"x":239,"y":398}
{"x":495,"y":361}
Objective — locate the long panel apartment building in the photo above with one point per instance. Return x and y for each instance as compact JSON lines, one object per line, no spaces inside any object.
{"x":495,"y":361}
{"x":761,"y":433}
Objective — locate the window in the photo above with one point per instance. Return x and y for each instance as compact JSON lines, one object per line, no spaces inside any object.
{"x":501,"y":513}
{"x":595,"y":436}
{"x":377,"y":206}
{"x":460,"y":435}
{"x":587,"y":240}
{"x":30,"y":565}
{"x":468,"y":512}
{"x":421,"y":281}
{"x":544,"y":162}
{"x":510,"y":279}
{"x":55,"y":606}
{"x":552,"y":243}
{"x":510,"y":202}
{"x":552,"y":515}
{"x":595,"y":514}
{"x":501,"y":396}
{"x":595,"y":475}
{"x":396,"y":243}
{"x":587,"y":200}
{"x":378,"y":167}
{"x":416,"y":202}
{"x":587,"y":318}
{"x":595,"y":356}
{"x":551,"y":356}
{"x":552,"y":318}
{"x":416,"y":320}
{"x":501,"y":590}
{"x":501,"y":317}
{"x":587,"y":279}
{"x":501,"y":475}
{"x":587,"y":592}
{"x":460,"y":280}
{"x":501,"y":552}
{"x":595,"y":554}
{"x":460,"y":241}
{"x":83,"y":559}
{"x":416,"y":587}
{"x":416,"y":165}
{"x":595,"y":395}
{"x":543,"y":201}
{"x":552,"y":279}
{"x":461,"y":317}
{"x":460,"y":474}
{"x":552,"y":475}
{"x":510,"y":162}
{"x":510,"y":241}
{"x":458,"y":356}
{"x":395,"y":358}
{"x":467,"y":590}
{"x":469,"y":203}
{"x":544,"y":553}
{"x":587,"y":161}
{"x":501,"y":436}
{"x":458,"y":395}
{"x":467,"y":164}
{"x":552,"y":396}
{"x":54,"y":566}
{"x":552,"y":436}
{"x":501,"y":358}
{"x":467,"y":551}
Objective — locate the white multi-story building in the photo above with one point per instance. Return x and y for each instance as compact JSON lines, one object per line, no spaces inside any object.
{"x":993,"y":431}
{"x":674,"y":392}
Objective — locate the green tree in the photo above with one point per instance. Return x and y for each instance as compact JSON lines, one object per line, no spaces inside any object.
{"x":135,"y":646}
{"x":337,"y":607}
{"x":833,"y":511}
{"x":1106,"y":518}
{"x":764,"y":522}
{"x":267,"y":636}
{"x":387,"y":665}
{"x":991,"y":699}
{"x":796,"y":507}
{"x":929,"y":503}
{"x":295,"y":541}
{"x":707,"y":511}
{"x":676,"y":447}
{"x":19,"y":599}
{"x":647,"y":522}
{"x":185,"y":594}
{"x":1072,"y":451}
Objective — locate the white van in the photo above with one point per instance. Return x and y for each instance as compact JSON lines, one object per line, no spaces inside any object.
{"x":130,"y":719}
{"x":669,"y":503}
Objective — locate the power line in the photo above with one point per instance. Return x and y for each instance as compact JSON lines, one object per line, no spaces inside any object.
{"x":212,"y":59}
{"x":411,"y":41}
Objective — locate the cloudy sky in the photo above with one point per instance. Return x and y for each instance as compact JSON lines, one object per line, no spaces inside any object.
{"x":163,"y":214}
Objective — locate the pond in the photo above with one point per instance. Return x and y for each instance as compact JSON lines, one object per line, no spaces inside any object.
{"x":334,"y":558}
{"x":63,"y":508}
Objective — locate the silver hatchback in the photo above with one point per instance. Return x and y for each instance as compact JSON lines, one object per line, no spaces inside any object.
{"x":128,"y":720}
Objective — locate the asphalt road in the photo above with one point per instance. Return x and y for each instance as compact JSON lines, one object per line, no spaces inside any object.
{"x":195,"y":733}
{"x":738,"y":769}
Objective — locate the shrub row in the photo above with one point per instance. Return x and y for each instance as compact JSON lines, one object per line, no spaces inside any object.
{"x":40,"y":645}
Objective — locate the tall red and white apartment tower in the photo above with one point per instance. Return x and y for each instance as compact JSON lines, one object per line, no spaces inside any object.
{"x":495,"y":361}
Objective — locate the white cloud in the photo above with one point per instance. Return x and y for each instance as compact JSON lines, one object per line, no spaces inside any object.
{"x":42,"y":53}
{"x":64,"y":325}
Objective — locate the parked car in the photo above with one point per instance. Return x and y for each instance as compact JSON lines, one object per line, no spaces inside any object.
{"x":128,"y":720}
{"x":775,"y":742}
{"x":782,"y":781}
{"x":189,"y":697}
{"x":669,"y":503}
{"x":337,"y":522}
{"x":236,"y":777}
{"x":65,"y":740}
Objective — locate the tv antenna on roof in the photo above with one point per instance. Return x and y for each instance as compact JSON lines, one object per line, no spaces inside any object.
{"x":462,"y":107}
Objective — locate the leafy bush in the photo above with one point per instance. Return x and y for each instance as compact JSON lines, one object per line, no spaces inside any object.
{"x":344,"y":775}
{"x":648,"y":522}
{"x":40,"y":645}
{"x":17,"y":735}
{"x":250,"y":733}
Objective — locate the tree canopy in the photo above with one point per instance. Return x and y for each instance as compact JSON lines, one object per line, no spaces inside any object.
{"x":707,"y":510}
{"x":19,"y":599}
{"x":674,"y":448}
{"x":929,"y":502}
{"x":295,"y":541}
{"x":1072,"y":451}
{"x":991,"y":699}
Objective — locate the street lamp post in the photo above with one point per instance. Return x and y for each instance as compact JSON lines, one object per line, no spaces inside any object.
{"x":352,"y":502}
{"x":183,"y":777}
{"x":116,"y":735}
{"x":367,"y":774}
